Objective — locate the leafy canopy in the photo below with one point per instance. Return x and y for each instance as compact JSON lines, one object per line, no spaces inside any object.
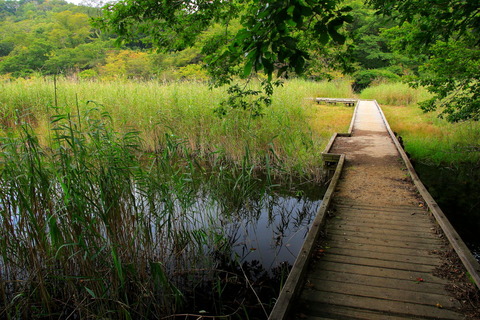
{"x":267,"y":40}
{"x":444,"y":38}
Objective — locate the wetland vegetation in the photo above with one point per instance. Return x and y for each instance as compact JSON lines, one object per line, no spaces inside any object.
{"x":102,"y":219}
{"x":148,"y":168}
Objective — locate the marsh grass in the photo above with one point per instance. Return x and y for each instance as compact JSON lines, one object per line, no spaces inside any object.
{"x":158,"y":110}
{"x":99,"y":198}
{"x":93,"y":227}
{"x":396,"y":94}
{"x":432,"y":140}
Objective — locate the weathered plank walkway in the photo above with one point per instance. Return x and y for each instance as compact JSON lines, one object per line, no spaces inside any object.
{"x":376,"y":260}
{"x":348,"y":102}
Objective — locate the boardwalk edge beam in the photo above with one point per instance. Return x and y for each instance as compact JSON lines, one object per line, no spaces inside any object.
{"x":468,"y":260}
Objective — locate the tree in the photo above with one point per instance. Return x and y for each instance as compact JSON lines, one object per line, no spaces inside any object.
{"x":268,"y":40}
{"x":444,"y":37}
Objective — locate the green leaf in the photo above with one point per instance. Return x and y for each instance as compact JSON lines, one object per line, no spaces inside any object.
{"x":91,"y":292}
{"x":248,"y":67}
{"x":337,"y":37}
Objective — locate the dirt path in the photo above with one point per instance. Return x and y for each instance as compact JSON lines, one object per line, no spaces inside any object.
{"x":374,"y":171}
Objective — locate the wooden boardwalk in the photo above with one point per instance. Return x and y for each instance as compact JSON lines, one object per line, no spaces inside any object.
{"x":377,"y":257}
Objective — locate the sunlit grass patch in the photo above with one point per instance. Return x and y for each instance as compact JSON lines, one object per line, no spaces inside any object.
{"x":185,"y":110}
{"x":397,"y":94}
{"x":433,"y":140}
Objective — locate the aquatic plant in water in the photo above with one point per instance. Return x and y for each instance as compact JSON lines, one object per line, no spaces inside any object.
{"x":92,"y":226}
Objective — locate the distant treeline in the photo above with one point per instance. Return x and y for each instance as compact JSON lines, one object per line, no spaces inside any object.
{"x":56,"y":37}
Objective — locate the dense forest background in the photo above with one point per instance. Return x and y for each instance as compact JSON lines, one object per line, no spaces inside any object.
{"x":431,"y":45}
{"x":56,"y":37}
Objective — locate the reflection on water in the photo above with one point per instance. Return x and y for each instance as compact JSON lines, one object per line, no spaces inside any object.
{"x":264,"y":234}
{"x":277,"y":232}
{"x":214,"y":245}
{"x":456,"y":191}
{"x":268,"y":228}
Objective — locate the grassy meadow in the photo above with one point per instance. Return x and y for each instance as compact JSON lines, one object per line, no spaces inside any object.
{"x":99,"y":186}
{"x":185,"y":110}
{"x":426,"y":137}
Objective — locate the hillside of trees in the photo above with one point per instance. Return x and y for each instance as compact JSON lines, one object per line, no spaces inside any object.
{"x":56,"y":37}
{"x":371,"y":41}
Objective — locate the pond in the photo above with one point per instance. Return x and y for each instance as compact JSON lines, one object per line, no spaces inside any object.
{"x":265,"y":235}
{"x":457,"y":192}
{"x":225,"y":254}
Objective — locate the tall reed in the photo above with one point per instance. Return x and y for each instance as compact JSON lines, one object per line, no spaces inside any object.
{"x":397,"y":94}
{"x":157,"y":110}
{"x":85,"y":224}
{"x":95,"y":226}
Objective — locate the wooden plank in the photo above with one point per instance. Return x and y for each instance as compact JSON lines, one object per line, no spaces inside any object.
{"x":429,"y":234}
{"x":381,"y":282}
{"x":329,"y":145}
{"x":378,"y":262}
{"x":395,"y":235}
{"x":336,"y":100}
{"x":385,"y":225}
{"x":411,"y":210}
{"x":384,"y":293}
{"x":376,"y":271}
{"x":404,"y":220}
{"x":377,"y":247}
{"x":388,"y":243}
{"x":332,"y":157}
{"x":343,"y":312}
{"x":366,"y":206}
{"x":373,"y":253}
{"x":315,"y":301}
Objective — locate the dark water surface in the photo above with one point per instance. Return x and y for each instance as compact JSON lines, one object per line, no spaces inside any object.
{"x":265,"y":234}
{"x":457,"y":192}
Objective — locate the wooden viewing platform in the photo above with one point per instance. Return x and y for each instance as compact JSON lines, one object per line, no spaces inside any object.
{"x":348,"y":102}
{"x":377,"y":256}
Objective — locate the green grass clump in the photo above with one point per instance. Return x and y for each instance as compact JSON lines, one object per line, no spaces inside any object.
{"x":396,"y":94}
{"x":185,"y":110}
{"x":430,"y":139}
{"x":99,"y":184}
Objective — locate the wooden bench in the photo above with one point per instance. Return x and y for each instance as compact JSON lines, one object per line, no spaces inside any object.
{"x":347,"y":102}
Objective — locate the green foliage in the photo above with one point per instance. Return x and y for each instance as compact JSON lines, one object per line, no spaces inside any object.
{"x":267,"y":41}
{"x":453,"y":74}
{"x":366,"y":45}
{"x":444,"y":38}
{"x":432,"y":140}
{"x":88,"y":74}
{"x":48,"y":37}
{"x":365,"y":78}
{"x":192,"y":72}
{"x":27,"y":59}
